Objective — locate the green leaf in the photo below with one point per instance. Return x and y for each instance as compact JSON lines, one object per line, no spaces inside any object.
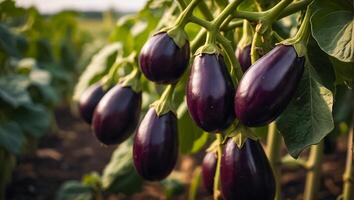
{"x":308,"y":118}
{"x":333,"y":28}
{"x":7,"y":42}
{"x":120,"y":175}
{"x":321,"y":62}
{"x":191,"y":138}
{"x":11,"y":137}
{"x":98,"y":66}
{"x":33,"y":120}
{"x":344,"y":72}
{"x":13,"y":90}
{"x":74,"y":190}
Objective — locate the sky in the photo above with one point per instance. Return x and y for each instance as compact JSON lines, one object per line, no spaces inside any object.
{"x":52,"y":6}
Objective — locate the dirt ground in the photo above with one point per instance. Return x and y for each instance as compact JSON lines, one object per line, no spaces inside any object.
{"x":73,"y":151}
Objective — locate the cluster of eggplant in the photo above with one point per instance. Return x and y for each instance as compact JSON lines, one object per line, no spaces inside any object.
{"x":213,"y":103}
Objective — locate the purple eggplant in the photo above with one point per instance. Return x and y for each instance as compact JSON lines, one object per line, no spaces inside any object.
{"x":244,"y":57}
{"x":268,"y":86}
{"x":155,"y":148}
{"x":210,"y":93}
{"x":89,"y":100}
{"x":117,"y":115}
{"x":208,"y":171}
{"x":162,"y":61}
{"x":245,"y":173}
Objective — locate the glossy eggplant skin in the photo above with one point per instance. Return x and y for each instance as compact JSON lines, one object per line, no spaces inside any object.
{"x":245,"y":173}
{"x":244,"y":57}
{"x":210,"y":93}
{"x":117,"y":115}
{"x":208,"y":171}
{"x":155,"y":148}
{"x":162,"y":61}
{"x":89,"y":100}
{"x":268,"y":86}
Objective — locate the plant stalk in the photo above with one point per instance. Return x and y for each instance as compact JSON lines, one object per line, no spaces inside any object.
{"x":314,"y":172}
{"x":348,"y":174}
{"x":273,"y":151}
{"x":216,"y":189}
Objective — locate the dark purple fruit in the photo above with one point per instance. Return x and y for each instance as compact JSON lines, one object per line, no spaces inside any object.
{"x":208,"y":171}
{"x":268,"y":86}
{"x":162,"y":61}
{"x":245,"y":173}
{"x":89,"y":100}
{"x":244,"y":57}
{"x":155,"y":147}
{"x":210,"y":93}
{"x":117,"y":115}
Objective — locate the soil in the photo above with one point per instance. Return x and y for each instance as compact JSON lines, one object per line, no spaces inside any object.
{"x":72,"y":151}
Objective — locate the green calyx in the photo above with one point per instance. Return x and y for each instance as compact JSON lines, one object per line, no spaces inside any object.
{"x":241,"y":134}
{"x":177,"y":34}
{"x":132,"y":80}
{"x":208,"y":49}
{"x":247,"y":35}
{"x":165,"y":104}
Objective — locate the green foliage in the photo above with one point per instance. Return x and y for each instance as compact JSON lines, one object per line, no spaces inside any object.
{"x":74,"y":190}
{"x":308,"y":118}
{"x":332,"y":27}
{"x":191,"y":138}
{"x":120,"y":175}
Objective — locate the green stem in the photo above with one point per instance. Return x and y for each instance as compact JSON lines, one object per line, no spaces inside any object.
{"x":294,"y":7}
{"x":230,"y":53}
{"x":290,"y":9}
{"x":226,"y":12}
{"x":256,"y":43}
{"x":207,"y":25}
{"x":198,"y":40}
{"x":348,"y":174}
{"x":205,"y":10}
{"x":217,"y":194}
{"x":273,"y":151}
{"x":233,"y":24}
{"x":181,"y":4}
{"x":165,"y":103}
{"x":185,"y":15}
{"x":273,"y":13}
{"x":313,"y":174}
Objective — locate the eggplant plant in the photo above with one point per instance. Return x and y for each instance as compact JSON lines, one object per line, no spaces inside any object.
{"x":236,"y":68}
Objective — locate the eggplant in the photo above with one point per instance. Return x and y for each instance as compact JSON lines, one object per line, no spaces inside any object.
{"x":117,"y":115}
{"x":155,"y":147}
{"x":89,"y":100}
{"x":208,"y":171}
{"x":210,"y":93}
{"x":245,"y":173}
{"x":268,"y":86}
{"x":162,"y":61}
{"x":244,"y":57}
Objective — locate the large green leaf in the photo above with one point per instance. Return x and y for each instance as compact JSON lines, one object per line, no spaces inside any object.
{"x":11,"y":137}
{"x":308,"y":118}
{"x":98,"y":65}
{"x":33,"y":120}
{"x":7,"y":42}
{"x":120,"y":175}
{"x":191,"y":138}
{"x":333,"y":28}
{"x":321,"y":62}
{"x":74,"y":190}
{"x":13,"y":90}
